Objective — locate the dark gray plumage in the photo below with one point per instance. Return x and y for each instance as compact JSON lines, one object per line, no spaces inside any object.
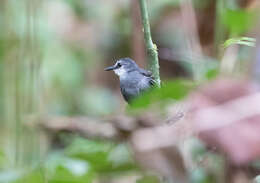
{"x":133,"y":80}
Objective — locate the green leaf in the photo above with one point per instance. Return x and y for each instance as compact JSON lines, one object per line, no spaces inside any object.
{"x":103,"y":156}
{"x":171,"y":90}
{"x":247,"y":41}
{"x":77,"y":6}
{"x":121,"y":159}
{"x":61,"y":169}
{"x":58,"y":168}
{"x":3,"y":159}
{"x":35,"y":175}
{"x":201,"y":176}
{"x":95,"y":152}
{"x":212,"y":73}
{"x":148,"y":179}
{"x":238,"y":21}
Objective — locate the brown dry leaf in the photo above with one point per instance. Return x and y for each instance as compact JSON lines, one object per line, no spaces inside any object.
{"x":226,"y":114}
{"x":87,"y":127}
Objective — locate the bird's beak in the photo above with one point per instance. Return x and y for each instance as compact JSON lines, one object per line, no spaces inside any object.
{"x":111,"y":68}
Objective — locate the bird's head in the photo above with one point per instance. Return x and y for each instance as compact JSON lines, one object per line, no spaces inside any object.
{"x":123,"y":66}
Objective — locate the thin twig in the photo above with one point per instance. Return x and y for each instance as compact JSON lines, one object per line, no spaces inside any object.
{"x":150,"y":47}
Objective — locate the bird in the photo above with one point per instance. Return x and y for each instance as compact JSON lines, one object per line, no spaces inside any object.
{"x":133,"y":79}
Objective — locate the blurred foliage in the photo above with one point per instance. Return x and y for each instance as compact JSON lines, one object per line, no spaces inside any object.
{"x":238,"y":21}
{"x":60,"y":168}
{"x":148,"y":179}
{"x":247,"y":41}
{"x":200,"y":176}
{"x":52,"y":55}
{"x":103,"y":156}
{"x":210,"y":172}
{"x":169,"y":92}
{"x":81,"y":162}
{"x":2,"y":159}
{"x":212,"y":73}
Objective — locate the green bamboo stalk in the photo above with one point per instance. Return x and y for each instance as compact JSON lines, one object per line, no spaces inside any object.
{"x":150,"y":46}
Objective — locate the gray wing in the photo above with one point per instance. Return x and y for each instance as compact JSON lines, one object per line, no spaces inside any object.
{"x":145,"y":72}
{"x":149,"y":75}
{"x":152,"y":82}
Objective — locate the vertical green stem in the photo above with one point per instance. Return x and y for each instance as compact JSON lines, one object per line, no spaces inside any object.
{"x":150,"y":47}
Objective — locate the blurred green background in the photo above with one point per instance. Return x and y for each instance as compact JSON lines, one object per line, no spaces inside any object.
{"x":52,"y":55}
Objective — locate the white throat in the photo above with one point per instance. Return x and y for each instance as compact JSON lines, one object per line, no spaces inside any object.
{"x":121,"y":72}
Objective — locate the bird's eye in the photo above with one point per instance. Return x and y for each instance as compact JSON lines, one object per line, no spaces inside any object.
{"x":119,"y":65}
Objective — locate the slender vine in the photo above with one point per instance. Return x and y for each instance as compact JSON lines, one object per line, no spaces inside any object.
{"x":150,"y":46}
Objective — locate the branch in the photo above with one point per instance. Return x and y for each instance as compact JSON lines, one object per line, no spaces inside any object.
{"x":110,"y":128}
{"x":150,"y":47}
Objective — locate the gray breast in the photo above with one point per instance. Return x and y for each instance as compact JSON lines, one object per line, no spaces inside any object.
{"x":134,"y":84}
